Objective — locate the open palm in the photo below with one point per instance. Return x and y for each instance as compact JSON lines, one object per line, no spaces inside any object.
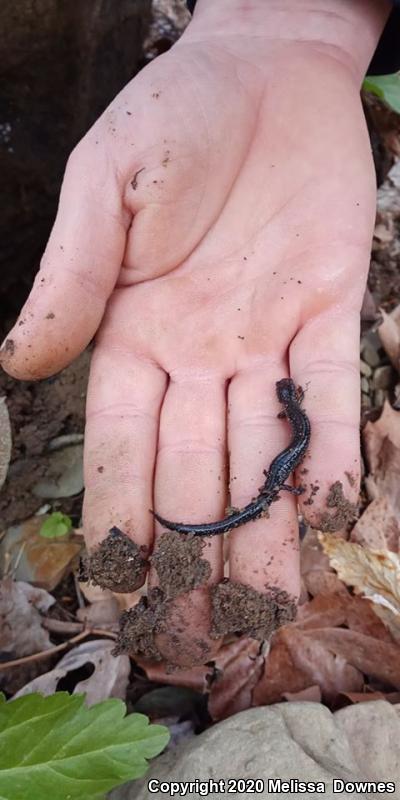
{"x":214,"y":230}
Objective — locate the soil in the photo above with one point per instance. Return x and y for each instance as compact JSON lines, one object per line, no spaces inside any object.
{"x":178,"y":563}
{"x":140,"y":624}
{"x":180,"y":569}
{"x":239,"y":609}
{"x":118,"y":564}
{"x":40,"y":411}
{"x":344,"y":513}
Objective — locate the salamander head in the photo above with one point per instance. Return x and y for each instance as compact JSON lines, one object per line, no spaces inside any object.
{"x":286,"y":391}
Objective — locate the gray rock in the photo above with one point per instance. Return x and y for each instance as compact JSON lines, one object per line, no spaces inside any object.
{"x":379,"y":397}
{"x":365,"y":369}
{"x":65,"y":474}
{"x":302,"y":741}
{"x":383,"y":377}
{"x":370,"y":345}
{"x":364,"y":386}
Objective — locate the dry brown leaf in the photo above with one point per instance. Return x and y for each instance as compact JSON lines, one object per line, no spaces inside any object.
{"x":317,"y":575}
{"x":311,"y":695}
{"x":374,"y":574}
{"x":100,"y":614}
{"x":328,"y":610}
{"x":370,"y":656}
{"x":389,"y":334}
{"x":109,"y":679}
{"x":29,"y":557}
{"x":280,"y":675}
{"x":21,"y":606}
{"x":196,"y":678}
{"x":361,"y":617}
{"x":5,"y":440}
{"x":378,"y":527}
{"x":366,"y":697}
{"x":375,"y":433}
{"x":239,"y":666}
{"x":330,"y":671}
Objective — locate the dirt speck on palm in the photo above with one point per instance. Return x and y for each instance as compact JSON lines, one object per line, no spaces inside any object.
{"x":239,"y":609}
{"x":178,"y":563}
{"x":117,"y":563}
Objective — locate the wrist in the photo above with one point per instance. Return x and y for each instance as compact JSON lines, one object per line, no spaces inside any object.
{"x":349,"y":30}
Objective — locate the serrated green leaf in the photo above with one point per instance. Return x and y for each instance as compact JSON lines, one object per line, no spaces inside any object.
{"x":57,"y":524}
{"x":56,"y":748}
{"x":387,"y":87}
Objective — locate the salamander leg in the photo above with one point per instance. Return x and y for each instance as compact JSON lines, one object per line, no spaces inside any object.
{"x":293,"y":489}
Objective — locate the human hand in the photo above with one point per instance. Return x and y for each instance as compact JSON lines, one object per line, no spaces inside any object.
{"x":214,"y":229}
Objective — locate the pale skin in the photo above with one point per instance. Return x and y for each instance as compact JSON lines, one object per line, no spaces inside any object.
{"x":240,"y":258}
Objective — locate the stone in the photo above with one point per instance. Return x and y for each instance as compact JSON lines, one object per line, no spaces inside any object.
{"x":365,"y":369}
{"x":370,"y":344}
{"x":379,"y":397}
{"x":382,"y":377}
{"x":299,"y":740}
{"x":364,"y":386}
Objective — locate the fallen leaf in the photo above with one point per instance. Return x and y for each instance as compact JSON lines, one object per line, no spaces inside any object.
{"x":370,"y":656}
{"x":100,"y":614}
{"x":239,"y":666}
{"x":377,"y":528}
{"x":330,"y":671}
{"x":375,"y":434}
{"x":366,"y":697}
{"x":27,"y":556}
{"x":389,"y":334}
{"x":374,"y":574}
{"x":280,"y":675}
{"x":195,"y":678}
{"x":5,"y":440}
{"x":21,"y":609}
{"x":316,"y":573}
{"x":310,"y":695}
{"x":109,"y":679}
{"x":328,"y":609}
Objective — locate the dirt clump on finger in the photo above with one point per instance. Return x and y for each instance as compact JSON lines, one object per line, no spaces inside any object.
{"x":343,"y":513}
{"x":239,"y":609}
{"x":139,"y":626}
{"x":118,"y":563}
{"x":178,"y":563}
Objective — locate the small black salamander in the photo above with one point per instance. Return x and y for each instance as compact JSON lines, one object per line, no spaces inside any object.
{"x":275,"y":477}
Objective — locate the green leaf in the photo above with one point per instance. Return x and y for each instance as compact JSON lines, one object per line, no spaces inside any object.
{"x":55,"y":747}
{"x":387,"y":87}
{"x":57,"y":524}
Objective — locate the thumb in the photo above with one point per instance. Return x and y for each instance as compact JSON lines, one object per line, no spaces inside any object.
{"x":78,"y":271}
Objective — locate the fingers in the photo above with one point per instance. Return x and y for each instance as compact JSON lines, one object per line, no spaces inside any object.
{"x":123,"y":406}
{"x":324,"y":359}
{"x":78,"y":271}
{"x":263,"y":553}
{"x":190,"y":487}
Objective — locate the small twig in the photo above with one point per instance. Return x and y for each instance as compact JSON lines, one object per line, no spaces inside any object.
{"x":59,"y":648}
{"x":62,"y":626}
